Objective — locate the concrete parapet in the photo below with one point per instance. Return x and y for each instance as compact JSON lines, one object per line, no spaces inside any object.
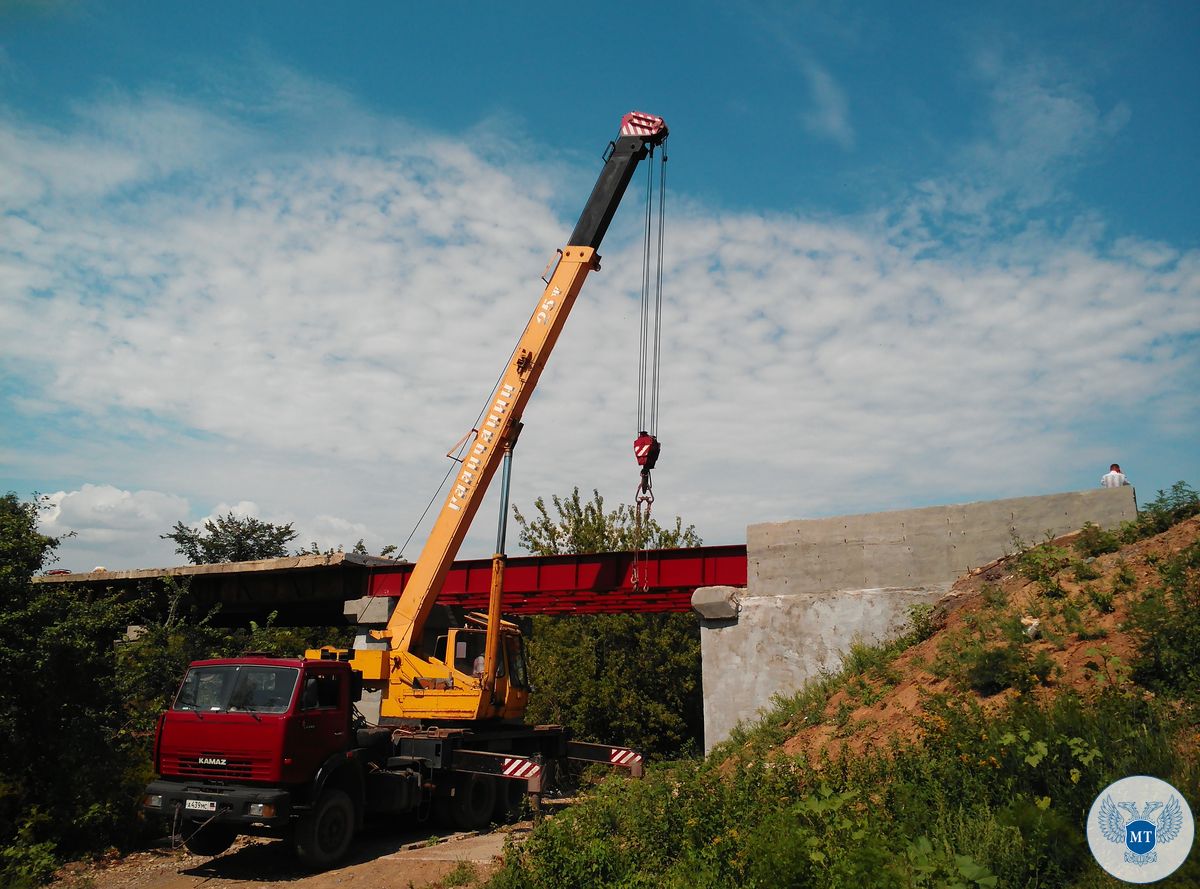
{"x":914,"y":547}
{"x":816,"y":585}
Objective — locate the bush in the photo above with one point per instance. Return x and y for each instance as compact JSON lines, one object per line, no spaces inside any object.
{"x":1042,"y":564}
{"x":1169,"y":508}
{"x":1095,"y":541}
{"x":1166,"y":623}
{"x":990,"y":668}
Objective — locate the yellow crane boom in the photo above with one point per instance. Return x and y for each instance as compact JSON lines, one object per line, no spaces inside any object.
{"x":422,"y":685}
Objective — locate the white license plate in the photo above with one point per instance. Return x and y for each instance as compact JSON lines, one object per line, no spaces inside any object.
{"x":201,"y":805}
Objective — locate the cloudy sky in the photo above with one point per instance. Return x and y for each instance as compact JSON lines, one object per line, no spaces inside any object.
{"x":270,"y":257}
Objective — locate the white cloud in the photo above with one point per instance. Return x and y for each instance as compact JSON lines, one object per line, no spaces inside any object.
{"x":307,"y":334}
{"x":829,"y":114}
{"x":1040,"y":127}
{"x":102,"y":524}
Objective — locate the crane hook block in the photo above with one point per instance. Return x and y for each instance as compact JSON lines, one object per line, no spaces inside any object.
{"x":646,"y":448}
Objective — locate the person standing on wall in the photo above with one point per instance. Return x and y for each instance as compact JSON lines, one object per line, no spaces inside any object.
{"x":1114,"y":478}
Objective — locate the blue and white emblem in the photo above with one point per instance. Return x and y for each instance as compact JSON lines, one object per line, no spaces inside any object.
{"x":1121,"y":823}
{"x":1140,"y":829}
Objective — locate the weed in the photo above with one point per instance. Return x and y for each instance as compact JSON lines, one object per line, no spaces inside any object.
{"x":1085,"y":570}
{"x":924,"y":620}
{"x":1107,"y":670}
{"x":992,"y":668}
{"x":845,"y":708}
{"x":1124,"y":579}
{"x":464,"y":874}
{"x":994,"y":596}
{"x":863,"y":658}
{"x":1095,"y":541}
{"x":865,"y":693}
{"x":1042,"y":564}
{"x":1166,"y":623}
{"x":1102,"y":599}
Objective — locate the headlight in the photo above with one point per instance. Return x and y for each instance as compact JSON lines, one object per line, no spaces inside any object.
{"x":152,"y":801}
{"x":261,"y":810}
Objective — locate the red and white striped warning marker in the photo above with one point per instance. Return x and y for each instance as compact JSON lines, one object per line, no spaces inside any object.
{"x":635,"y":123}
{"x":520,"y":768}
{"x":619,"y":756}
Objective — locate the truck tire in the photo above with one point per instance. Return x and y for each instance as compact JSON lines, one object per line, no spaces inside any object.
{"x":323,"y":834}
{"x":510,"y":798}
{"x":210,"y":838}
{"x":474,"y":801}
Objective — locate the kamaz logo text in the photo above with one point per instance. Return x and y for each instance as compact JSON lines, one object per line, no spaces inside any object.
{"x":211,"y":761}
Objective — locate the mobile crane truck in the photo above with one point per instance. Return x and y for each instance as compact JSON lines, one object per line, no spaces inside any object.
{"x":271,"y":745}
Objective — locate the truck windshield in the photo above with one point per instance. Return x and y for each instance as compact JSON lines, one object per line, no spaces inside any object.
{"x":237,"y":687}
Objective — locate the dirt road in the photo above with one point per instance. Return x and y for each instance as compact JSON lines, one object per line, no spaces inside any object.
{"x":380,"y":859}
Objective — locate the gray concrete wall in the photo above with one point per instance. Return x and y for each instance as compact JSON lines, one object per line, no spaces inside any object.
{"x":815,"y":585}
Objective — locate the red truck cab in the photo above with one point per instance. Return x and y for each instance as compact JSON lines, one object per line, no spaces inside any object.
{"x":248,"y":744}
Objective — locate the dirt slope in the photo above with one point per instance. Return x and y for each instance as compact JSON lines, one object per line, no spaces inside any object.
{"x":1083,"y":640}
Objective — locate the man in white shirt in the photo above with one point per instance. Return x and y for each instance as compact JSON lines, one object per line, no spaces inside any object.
{"x":1114,"y":478}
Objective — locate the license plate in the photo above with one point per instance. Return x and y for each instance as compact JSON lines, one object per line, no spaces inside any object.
{"x":201,"y":805}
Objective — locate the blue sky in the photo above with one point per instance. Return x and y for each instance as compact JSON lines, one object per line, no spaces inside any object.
{"x":269,"y":257}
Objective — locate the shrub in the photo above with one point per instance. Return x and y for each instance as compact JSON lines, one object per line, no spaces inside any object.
{"x":1169,"y":508}
{"x":1042,"y":564}
{"x":1095,"y":541}
{"x":1166,"y":623}
{"x":1102,"y":599}
{"x":923,"y":621}
{"x":1124,"y":579}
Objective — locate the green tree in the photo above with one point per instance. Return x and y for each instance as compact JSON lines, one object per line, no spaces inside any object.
{"x":66,"y":783}
{"x":582,"y":527}
{"x":231,"y":538}
{"x":78,"y":699}
{"x":626,"y":678}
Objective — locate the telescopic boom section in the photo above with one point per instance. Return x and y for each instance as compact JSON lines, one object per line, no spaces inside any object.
{"x":639,"y":134}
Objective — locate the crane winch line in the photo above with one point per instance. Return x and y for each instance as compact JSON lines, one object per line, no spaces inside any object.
{"x":646,"y":446}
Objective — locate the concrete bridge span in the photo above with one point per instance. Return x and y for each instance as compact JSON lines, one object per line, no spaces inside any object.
{"x":815,"y":585}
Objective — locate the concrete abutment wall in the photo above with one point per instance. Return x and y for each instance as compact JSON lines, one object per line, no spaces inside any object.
{"x":816,"y":585}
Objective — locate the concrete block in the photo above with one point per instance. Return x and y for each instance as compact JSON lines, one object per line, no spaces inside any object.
{"x":717,"y":602}
{"x":368,"y":609}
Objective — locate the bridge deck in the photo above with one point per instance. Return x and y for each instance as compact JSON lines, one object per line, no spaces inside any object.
{"x":310,"y":589}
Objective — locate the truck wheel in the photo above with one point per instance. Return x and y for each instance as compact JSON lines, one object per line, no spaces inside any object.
{"x":209,"y":839}
{"x":323,"y":834}
{"x":474,"y":800}
{"x":510,"y":797}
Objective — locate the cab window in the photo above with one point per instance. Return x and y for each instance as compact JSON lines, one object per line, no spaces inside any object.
{"x":322,"y":691}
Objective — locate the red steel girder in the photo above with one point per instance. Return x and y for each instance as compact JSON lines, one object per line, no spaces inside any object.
{"x":598,"y":583}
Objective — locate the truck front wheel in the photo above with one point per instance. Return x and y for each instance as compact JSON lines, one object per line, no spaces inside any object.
{"x":323,"y":834}
{"x":210,"y":839}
